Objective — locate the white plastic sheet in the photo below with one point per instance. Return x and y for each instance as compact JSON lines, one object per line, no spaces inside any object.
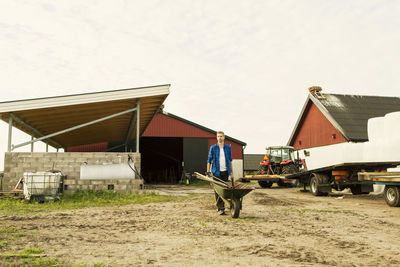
{"x":106,"y":171}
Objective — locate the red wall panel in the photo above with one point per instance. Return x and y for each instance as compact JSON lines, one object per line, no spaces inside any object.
{"x":315,"y":130}
{"x":99,"y":147}
{"x":164,"y":126}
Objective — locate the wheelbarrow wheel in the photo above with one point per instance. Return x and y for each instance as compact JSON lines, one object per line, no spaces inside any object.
{"x":235,"y":208}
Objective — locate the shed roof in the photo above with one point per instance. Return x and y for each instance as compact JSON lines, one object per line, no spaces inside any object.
{"x":52,"y":114}
{"x":349,"y":114}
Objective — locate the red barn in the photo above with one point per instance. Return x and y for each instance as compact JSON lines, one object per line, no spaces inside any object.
{"x":328,"y":119}
{"x":172,"y":147}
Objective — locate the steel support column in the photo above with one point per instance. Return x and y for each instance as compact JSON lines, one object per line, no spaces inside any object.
{"x":137,"y":125}
{"x":10,"y":122}
{"x":130,"y":130}
{"x":32,"y":143}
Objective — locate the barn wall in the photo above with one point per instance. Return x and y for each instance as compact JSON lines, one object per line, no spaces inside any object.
{"x":165,"y":126}
{"x":316,"y":130}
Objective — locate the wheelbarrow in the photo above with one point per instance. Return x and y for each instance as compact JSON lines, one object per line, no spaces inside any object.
{"x":231,"y":193}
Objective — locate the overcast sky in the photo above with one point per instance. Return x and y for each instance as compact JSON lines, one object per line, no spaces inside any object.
{"x":238,"y":66}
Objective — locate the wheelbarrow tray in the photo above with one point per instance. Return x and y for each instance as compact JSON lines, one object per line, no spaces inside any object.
{"x":238,"y":191}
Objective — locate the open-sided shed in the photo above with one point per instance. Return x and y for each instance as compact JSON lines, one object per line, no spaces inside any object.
{"x":72,"y":120}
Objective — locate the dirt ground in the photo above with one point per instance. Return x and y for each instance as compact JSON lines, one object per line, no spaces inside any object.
{"x":277,"y":227}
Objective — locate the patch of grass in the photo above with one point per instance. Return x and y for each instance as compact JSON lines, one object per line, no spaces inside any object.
{"x":319,"y":211}
{"x":18,"y":234}
{"x":33,"y":251}
{"x":3,"y":243}
{"x":14,"y":259}
{"x":9,"y":230}
{"x":83,"y":199}
{"x":22,"y":254}
{"x":199,"y":183}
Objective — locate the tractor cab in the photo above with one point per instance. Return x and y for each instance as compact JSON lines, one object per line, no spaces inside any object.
{"x":280,"y":154}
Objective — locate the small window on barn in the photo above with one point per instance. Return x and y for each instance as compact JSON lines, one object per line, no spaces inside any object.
{"x":300,"y":142}
{"x":110,"y":187}
{"x":334,"y":136}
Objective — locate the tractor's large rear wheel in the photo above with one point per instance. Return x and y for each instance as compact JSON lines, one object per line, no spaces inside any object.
{"x":289,"y":169}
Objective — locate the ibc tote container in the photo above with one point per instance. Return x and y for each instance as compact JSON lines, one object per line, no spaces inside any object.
{"x":41,"y":185}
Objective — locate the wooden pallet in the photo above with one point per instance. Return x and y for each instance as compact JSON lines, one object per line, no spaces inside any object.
{"x":11,"y":194}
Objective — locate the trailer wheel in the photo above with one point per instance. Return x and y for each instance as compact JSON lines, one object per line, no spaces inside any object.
{"x":265,"y":184}
{"x":392,"y":195}
{"x":314,"y":183}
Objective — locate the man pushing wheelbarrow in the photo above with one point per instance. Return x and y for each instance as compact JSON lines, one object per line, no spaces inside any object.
{"x":219,"y":164}
{"x":226,"y":192}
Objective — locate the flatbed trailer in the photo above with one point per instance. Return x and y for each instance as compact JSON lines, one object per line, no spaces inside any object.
{"x":391,"y":180}
{"x":341,"y":176}
{"x":267,"y":180}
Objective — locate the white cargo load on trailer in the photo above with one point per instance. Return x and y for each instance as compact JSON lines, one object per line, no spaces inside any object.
{"x":383,"y":146}
{"x":41,"y":184}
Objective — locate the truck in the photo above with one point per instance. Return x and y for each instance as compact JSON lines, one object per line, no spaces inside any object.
{"x":279,"y":165}
{"x":341,"y":176}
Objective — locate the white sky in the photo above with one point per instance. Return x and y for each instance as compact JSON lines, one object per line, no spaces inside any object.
{"x":239,"y":66}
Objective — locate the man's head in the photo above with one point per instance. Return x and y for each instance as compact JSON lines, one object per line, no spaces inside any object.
{"x":220,"y":137}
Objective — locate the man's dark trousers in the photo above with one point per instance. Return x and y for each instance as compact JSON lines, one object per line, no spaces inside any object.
{"x":220,"y":203}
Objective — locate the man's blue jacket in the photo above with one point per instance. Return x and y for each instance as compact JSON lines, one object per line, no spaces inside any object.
{"x":213,"y":158}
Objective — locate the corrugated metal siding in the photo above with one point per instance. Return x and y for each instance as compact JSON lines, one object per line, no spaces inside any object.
{"x":315,"y":130}
{"x":164,"y":126}
{"x":99,"y":147}
{"x":252,"y":161}
{"x":236,"y":148}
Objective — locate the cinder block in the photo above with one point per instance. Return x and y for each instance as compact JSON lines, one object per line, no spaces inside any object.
{"x":124,"y":181}
{"x":96,"y":182}
{"x":9,"y":175}
{"x":120,"y":188}
{"x":83,"y":187}
{"x":100,"y":187}
{"x":70,"y":189}
{"x":83,"y":182}
{"x":70,"y":182}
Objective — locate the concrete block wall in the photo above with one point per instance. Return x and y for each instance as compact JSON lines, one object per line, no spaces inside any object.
{"x":69,"y":163}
